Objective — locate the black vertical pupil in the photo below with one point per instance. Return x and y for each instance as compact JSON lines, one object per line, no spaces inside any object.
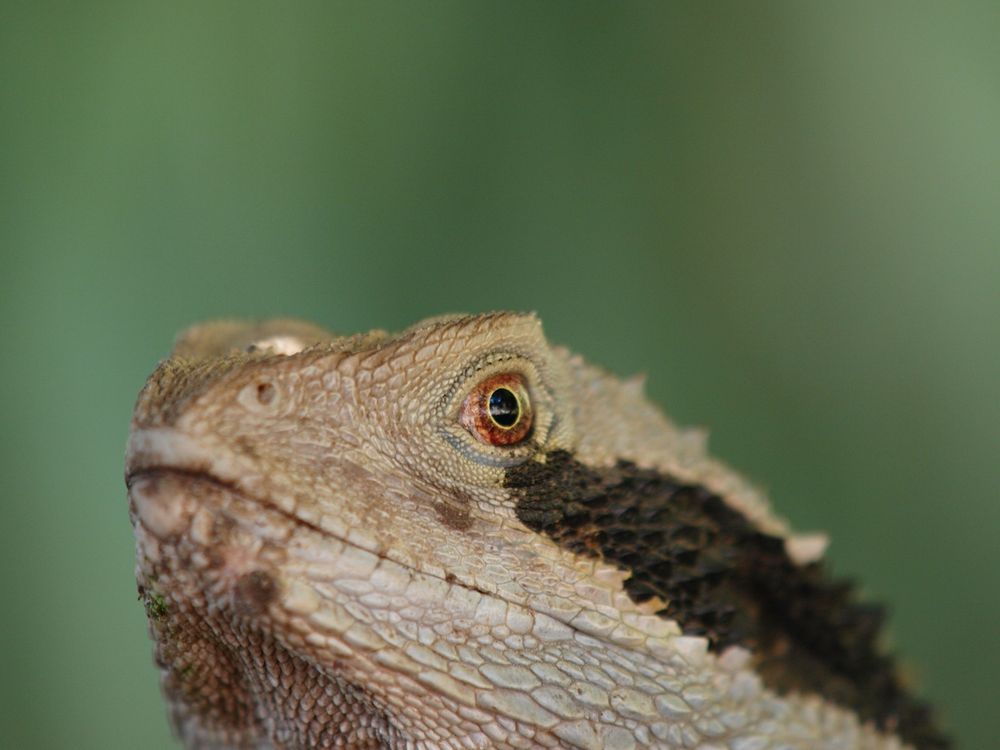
{"x":504,"y":408}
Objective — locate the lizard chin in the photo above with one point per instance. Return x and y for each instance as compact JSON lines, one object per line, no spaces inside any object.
{"x":225,"y":622}
{"x":289,"y":616}
{"x":200,"y":531}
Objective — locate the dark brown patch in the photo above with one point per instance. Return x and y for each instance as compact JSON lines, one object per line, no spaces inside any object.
{"x":452,"y":506}
{"x":727,"y":581}
{"x":453,"y":516}
{"x":245,"y":446}
{"x":454,"y":512}
{"x":254,"y":591}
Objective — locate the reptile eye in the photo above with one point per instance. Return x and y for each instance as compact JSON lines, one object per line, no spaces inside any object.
{"x":498,"y":410}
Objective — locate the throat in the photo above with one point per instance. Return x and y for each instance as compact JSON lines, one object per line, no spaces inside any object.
{"x":725,"y":580}
{"x":231,"y":685}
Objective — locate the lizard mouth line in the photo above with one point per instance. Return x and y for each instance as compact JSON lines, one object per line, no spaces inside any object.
{"x":168,"y":451}
{"x":203,"y":476}
{"x":206,"y":477}
{"x":171,"y":452}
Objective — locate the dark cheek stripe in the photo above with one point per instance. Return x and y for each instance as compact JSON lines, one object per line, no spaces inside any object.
{"x":724,"y":580}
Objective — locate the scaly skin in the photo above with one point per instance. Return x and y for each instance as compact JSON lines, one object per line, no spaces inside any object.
{"x":330,"y":557}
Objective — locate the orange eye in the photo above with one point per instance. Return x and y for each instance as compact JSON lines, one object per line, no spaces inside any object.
{"x":498,"y":410}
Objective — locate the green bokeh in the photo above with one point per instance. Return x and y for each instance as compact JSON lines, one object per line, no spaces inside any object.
{"x":787,"y":214}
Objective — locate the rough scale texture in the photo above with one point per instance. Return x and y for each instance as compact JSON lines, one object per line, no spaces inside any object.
{"x":331,"y":556}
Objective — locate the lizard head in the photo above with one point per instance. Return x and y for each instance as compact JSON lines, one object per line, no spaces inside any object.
{"x":388,"y":444}
{"x":383,"y":540}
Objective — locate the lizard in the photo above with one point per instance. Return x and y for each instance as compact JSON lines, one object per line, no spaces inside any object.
{"x":462,"y":536}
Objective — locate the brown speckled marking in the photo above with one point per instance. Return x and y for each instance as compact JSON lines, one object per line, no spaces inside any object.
{"x":254,"y":591}
{"x":454,"y":512}
{"x":725,"y":580}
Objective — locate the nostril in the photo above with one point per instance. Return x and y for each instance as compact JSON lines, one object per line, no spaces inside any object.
{"x":265,"y":393}
{"x":259,"y":396}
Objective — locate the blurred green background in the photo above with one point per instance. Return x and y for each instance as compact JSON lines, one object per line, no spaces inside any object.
{"x":787,"y":214}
